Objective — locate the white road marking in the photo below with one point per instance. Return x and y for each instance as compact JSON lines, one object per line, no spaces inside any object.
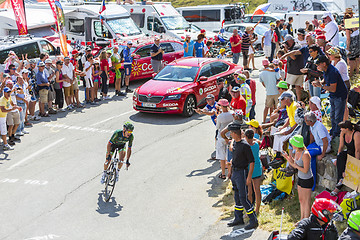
{"x":108,"y":119}
{"x":27,"y":181}
{"x":46,"y":237}
{"x":36,"y":153}
{"x":87,"y":129}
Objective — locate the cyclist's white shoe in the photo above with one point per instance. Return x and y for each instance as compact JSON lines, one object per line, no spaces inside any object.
{"x":103,"y":178}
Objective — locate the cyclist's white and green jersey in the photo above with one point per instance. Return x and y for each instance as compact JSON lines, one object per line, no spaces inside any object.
{"x":118,"y":140}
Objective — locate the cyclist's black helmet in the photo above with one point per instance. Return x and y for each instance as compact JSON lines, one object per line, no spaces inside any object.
{"x":129,"y":126}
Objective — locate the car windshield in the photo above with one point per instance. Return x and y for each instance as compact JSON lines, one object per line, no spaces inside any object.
{"x":175,"y":22}
{"x":124,"y":26}
{"x":332,"y":7}
{"x":177,"y":73}
{"x":260,"y":30}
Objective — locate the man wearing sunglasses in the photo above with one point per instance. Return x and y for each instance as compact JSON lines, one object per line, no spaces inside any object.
{"x":118,"y":141}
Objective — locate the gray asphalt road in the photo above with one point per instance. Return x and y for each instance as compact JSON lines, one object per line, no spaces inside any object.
{"x":51,"y":189}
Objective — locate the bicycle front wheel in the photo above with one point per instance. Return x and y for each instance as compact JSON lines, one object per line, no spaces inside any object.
{"x":110,"y":183}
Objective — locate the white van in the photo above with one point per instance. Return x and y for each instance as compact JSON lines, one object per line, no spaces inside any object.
{"x":83,"y":22}
{"x":210,"y":17}
{"x":298,"y":5}
{"x":301,"y":17}
{"x":160,"y":18}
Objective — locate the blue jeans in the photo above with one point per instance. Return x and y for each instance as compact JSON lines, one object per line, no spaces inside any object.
{"x":314,"y":150}
{"x":314,"y":91}
{"x":22,"y":117}
{"x":236,"y":57}
{"x":336,"y":114}
{"x":238,"y":179}
{"x":273,"y":48}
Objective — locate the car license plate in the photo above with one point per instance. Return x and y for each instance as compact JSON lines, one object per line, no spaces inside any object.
{"x":152,"y":105}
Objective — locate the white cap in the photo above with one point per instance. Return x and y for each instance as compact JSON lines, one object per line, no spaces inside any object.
{"x":48,"y":60}
{"x":316,"y":100}
{"x":327,"y":14}
{"x":288,"y":37}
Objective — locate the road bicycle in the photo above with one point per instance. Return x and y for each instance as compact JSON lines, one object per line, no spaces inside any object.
{"x":111,"y":175}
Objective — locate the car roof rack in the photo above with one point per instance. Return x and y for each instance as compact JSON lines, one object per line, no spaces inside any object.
{"x":15,"y":38}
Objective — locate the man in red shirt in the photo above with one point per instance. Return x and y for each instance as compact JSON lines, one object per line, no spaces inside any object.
{"x":235,"y":41}
{"x":237,"y":101}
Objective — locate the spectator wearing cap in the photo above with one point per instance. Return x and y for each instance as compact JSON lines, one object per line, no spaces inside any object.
{"x":319,"y":141}
{"x":128,"y":59}
{"x":43,"y":87}
{"x":12,"y":117}
{"x":50,"y":71}
{"x":285,"y":131}
{"x":334,"y":84}
{"x":234,"y":82}
{"x":21,"y":96}
{"x":6,"y":105}
{"x":224,"y":92}
{"x":59,"y":96}
{"x":245,"y":45}
{"x":209,"y":109}
{"x":331,"y":29}
{"x":222,"y":121}
{"x":279,"y":115}
{"x":269,"y":80}
{"x":256,"y":127}
{"x":156,"y":53}
{"x":237,"y":101}
{"x":289,"y":26}
{"x":235,"y":42}
{"x":199,"y":45}
{"x":83,"y":57}
{"x":301,"y":37}
{"x":315,"y":107}
{"x":68,"y":71}
{"x":340,"y":64}
{"x":245,"y":92}
{"x":241,"y":176}
{"x":321,"y":42}
{"x":116,"y":63}
{"x":105,"y":68}
{"x":266,"y":43}
{"x":252,"y":84}
{"x":188,"y":46}
{"x":294,"y":64}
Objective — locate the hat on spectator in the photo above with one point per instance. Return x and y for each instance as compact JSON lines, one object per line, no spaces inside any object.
{"x":265,"y":62}
{"x":219,"y":80}
{"x":322,"y":59}
{"x":276,"y":61}
{"x":334,"y":51}
{"x":321,"y":37}
{"x":349,"y":11}
{"x":286,"y":95}
{"x":223,"y":102}
{"x":288,"y":37}
{"x":74,"y":52}
{"x":59,"y":62}
{"x":11,"y":52}
{"x":156,"y":38}
{"x":32,"y":61}
{"x":109,"y":51}
{"x":242,"y":77}
{"x":237,"y":72}
{"x":9,"y":82}
{"x":297,"y":141}
{"x":254,"y":123}
{"x":235,"y":89}
{"x":210,"y":96}
{"x":222,"y":50}
{"x":66,"y":58}
{"x":234,"y":126}
{"x":327,"y":14}
{"x":316,"y":100}
{"x":41,"y":64}
{"x":24,"y":71}
{"x":202,"y":31}
{"x":6,"y":89}
{"x":129,"y":43}
{"x":282,"y":84}
{"x":272,"y":24}
{"x":248,"y":28}
{"x":301,"y":31}
{"x":318,"y":32}
{"x":48,"y":60}
{"x":238,"y":112}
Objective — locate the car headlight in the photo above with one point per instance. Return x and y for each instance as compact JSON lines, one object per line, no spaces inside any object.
{"x":172,"y":97}
{"x":136,"y":93}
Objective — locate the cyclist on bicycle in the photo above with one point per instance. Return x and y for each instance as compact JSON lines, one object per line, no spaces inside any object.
{"x":119,"y":140}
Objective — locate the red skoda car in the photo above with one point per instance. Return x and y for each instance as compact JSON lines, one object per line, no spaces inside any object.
{"x":182,"y":85}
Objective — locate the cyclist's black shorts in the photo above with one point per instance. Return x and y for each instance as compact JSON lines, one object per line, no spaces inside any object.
{"x":121,"y":147}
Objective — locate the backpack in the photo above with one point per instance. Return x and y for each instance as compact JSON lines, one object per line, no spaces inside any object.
{"x":354,"y":98}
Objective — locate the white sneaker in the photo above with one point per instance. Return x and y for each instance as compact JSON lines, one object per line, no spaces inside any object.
{"x":103,"y":178}
{"x":61,"y":110}
{"x":37,"y":118}
{"x":7,"y":147}
{"x":107,"y":97}
{"x":19,"y":134}
{"x":25,"y":132}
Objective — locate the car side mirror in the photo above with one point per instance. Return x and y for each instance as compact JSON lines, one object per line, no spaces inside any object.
{"x":137,"y":56}
{"x":203,"y":78}
{"x":154,"y":75}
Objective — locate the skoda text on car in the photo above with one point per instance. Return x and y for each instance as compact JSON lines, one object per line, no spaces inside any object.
{"x":141,"y":66}
{"x":182,"y":85}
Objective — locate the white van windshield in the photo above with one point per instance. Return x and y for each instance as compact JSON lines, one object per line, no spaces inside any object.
{"x":175,"y":22}
{"x":124,"y":26}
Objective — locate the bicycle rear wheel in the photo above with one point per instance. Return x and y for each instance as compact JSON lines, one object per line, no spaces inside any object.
{"x":110,"y":182}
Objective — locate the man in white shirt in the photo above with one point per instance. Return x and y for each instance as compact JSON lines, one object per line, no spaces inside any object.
{"x":68,"y":71}
{"x":331,"y":29}
{"x":301,"y":37}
